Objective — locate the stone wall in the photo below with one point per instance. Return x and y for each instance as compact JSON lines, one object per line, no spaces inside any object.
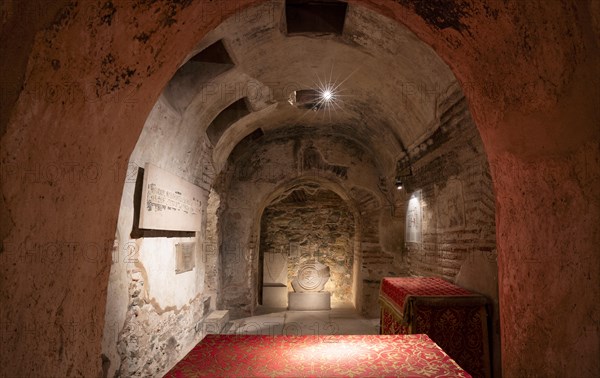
{"x":211,"y":257}
{"x":454,"y":189}
{"x":457,"y":198}
{"x":155,"y":339}
{"x":315,"y":227}
{"x":266,"y":170}
{"x":155,"y":315}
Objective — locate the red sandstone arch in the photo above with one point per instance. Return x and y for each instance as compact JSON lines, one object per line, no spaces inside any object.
{"x":529,"y":70}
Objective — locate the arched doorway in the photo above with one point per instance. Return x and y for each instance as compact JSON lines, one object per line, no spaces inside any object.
{"x":229,"y":123}
{"x":534,"y":156}
{"x":308,"y":225}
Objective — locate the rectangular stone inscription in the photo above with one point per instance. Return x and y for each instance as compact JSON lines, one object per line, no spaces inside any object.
{"x":414,"y":218}
{"x":275,"y":268}
{"x":169,"y":202}
{"x":184,"y":257}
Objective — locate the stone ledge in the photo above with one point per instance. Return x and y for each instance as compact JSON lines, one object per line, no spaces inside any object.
{"x":275,"y":295}
{"x":216,"y":321}
{"x":309,"y":301}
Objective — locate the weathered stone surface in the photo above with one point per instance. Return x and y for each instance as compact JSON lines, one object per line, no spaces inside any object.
{"x":275,"y":267}
{"x":321,"y":227}
{"x":269,"y":170}
{"x":309,"y":301}
{"x":216,"y":321}
{"x":144,"y":281}
{"x":153,"y":339}
{"x":456,"y":200}
{"x":311,"y":277}
{"x":275,"y":296}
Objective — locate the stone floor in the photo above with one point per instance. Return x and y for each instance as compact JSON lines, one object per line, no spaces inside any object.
{"x":340,"y":320}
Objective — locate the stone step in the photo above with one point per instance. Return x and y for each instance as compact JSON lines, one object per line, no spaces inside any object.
{"x":227,"y":329}
{"x":215,"y":321}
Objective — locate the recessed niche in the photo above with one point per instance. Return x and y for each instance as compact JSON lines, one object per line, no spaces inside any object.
{"x":289,"y":245}
{"x":322,"y":17}
{"x":215,"y":53}
{"x":201,"y":68}
{"x":184,"y":257}
{"x":226,"y":118}
{"x":254,"y":135}
{"x":305,"y":98}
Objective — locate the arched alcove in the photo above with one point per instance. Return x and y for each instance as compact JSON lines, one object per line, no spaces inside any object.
{"x":309,"y":224}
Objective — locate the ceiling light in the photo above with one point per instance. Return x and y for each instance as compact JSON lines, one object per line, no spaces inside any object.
{"x":327,"y":95}
{"x":399,"y":185}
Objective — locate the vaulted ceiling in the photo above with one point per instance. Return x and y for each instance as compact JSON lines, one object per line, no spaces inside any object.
{"x":253,"y":72}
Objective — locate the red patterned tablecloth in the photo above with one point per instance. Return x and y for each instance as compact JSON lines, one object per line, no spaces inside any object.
{"x":453,"y":317}
{"x":317,"y":356}
{"x":398,"y":288}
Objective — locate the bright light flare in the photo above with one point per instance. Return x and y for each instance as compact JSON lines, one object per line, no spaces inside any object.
{"x":329,"y":97}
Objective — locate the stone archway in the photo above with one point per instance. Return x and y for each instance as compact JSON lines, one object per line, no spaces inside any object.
{"x":310,"y":224}
{"x":532,"y":99}
{"x":250,"y":266}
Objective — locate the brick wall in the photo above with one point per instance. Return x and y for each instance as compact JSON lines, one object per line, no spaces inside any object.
{"x":457,"y":199}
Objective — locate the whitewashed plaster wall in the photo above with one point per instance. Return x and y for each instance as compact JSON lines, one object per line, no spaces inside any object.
{"x":143,"y":283}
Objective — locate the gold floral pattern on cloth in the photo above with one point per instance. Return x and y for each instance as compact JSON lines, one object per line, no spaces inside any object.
{"x":317,"y":356}
{"x":453,"y":317}
{"x":398,"y":288}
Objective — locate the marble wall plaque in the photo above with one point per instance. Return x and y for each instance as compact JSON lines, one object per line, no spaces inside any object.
{"x":169,"y":202}
{"x":184,"y":257}
{"x":414,"y":218}
{"x":275,"y":268}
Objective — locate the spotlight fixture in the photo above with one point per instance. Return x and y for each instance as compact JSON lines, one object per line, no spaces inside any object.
{"x":314,"y":99}
{"x":404,"y":174}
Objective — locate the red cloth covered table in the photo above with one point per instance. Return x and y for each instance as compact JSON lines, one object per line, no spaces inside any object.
{"x":316,"y":356}
{"x":453,"y":317}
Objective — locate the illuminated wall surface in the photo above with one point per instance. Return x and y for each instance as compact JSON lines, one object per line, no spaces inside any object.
{"x":485,"y":111}
{"x":317,"y":227}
